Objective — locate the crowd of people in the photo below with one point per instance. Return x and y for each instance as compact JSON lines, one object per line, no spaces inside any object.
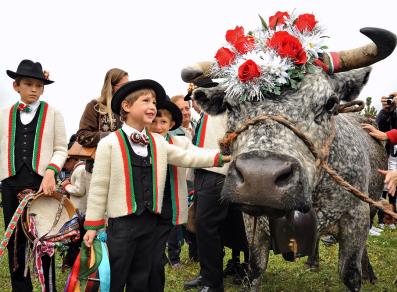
{"x":139,"y":188}
{"x":153,"y":165}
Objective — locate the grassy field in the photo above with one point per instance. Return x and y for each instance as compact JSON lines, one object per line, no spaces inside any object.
{"x":281,"y":275}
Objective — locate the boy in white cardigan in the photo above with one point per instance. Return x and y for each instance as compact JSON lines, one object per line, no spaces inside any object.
{"x":128,"y":184}
{"x":32,"y":151}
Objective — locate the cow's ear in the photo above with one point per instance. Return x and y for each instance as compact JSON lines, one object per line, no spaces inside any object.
{"x":211,"y":100}
{"x":348,"y":85}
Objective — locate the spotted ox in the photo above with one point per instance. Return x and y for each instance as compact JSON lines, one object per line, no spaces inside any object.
{"x":275,"y":174}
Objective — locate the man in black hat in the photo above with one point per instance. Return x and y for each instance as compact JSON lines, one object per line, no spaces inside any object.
{"x":32,"y":156}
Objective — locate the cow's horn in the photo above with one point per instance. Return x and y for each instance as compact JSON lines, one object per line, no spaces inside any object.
{"x":383,"y":45}
{"x":195,"y":72}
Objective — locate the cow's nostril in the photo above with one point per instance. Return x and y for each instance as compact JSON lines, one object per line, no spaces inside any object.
{"x":284,"y":176}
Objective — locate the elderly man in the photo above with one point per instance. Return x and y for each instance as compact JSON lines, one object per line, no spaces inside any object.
{"x":188,"y":124}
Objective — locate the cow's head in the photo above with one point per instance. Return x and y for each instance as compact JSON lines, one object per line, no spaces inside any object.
{"x":273,"y":171}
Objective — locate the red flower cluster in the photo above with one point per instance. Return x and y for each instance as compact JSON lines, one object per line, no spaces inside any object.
{"x":287,"y":45}
{"x":305,"y":22}
{"x":248,"y":71}
{"x":277,"y":18}
{"x":225,"y":57}
{"x":241,"y":42}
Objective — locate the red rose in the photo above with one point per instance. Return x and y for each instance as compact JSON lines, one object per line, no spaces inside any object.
{"x":287,"y":45}
{"x":277,"y":18}
{"x":248,"y":71}
{"x":232,"y":35}
{"x":245,"y":44}
{"x":305,"y":22}
{"x":225,"y":57}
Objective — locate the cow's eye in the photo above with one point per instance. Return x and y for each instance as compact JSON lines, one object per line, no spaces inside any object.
{"x":332,"y":104}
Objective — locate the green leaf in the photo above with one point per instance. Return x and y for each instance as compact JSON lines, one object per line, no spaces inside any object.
{"x":265,"y":27}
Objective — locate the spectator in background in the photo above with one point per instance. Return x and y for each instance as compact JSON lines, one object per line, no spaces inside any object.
{"x":188,"y":124}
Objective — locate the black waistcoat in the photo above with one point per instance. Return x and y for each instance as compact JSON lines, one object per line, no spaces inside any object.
{"x":24,"y":141}
{"x":142,"y":178}
{"x":166,"y":211}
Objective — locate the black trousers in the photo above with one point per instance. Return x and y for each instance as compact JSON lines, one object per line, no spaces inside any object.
{"x":157,"y":274}
{"x":210,"y":216}
{"x":10,"y":189}
{"x":130,"y":241}
{"x":174,"y":244}
{"x":392,"y":200}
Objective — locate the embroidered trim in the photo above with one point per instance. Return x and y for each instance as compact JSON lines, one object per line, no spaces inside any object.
{"x":218,"y":160}
{"x":153,"y":154}
{"x":201,"y":132}
{"x":94,"y":225}
{"x":129,"y":179}
{"x":54,"y":167}
{"x":11,"y":139}
{"x":39,"y":136}
{"x":173,"y":171}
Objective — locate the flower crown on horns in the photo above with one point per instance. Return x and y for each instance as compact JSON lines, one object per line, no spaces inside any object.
{"x":275,"y":57}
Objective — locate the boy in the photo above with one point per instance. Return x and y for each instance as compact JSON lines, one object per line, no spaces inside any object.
{"x":128,"y":184}
{"x":32,"y":150}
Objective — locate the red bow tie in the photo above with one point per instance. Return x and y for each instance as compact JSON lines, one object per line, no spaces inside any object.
{"x":24,"y":108}
{"x":139,"y":138}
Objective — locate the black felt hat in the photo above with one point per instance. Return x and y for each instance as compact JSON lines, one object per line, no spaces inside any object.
{"x":30,"y":69}
{"x":173,"y":109}
{"x":135,"y":85}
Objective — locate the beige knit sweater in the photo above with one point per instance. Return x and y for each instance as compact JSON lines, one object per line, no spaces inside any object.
{"x":111,"y":188}
{"x":78,"y":188}
{"x":50,"y":146}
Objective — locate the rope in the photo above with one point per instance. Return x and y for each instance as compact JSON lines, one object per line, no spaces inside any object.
{"x":321,"y":157}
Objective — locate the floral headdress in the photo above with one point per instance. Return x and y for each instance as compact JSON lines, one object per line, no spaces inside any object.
{"x":271,"y":59}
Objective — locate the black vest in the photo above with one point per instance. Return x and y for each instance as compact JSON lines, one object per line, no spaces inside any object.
{"x":166,"y":211}
{"x":142,"y":177}
{"x":24,"y":141}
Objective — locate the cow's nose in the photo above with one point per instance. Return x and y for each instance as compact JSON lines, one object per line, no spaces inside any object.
{"x":269,"y":181}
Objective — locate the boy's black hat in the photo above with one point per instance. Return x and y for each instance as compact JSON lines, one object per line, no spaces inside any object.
{"x":135,"y":85}
{"x":173,"y":109}
{"x":30,"y":69}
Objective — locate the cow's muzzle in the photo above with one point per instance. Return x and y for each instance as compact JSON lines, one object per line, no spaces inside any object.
{"x":267,"y":180}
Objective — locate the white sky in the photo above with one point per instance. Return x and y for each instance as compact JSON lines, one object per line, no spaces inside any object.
{"x":78,"y":41}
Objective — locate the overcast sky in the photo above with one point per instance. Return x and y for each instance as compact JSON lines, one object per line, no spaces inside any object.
{"x":78,"y":41}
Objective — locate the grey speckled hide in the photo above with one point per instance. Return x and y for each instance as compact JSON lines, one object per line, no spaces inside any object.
{"x":273,"y":169}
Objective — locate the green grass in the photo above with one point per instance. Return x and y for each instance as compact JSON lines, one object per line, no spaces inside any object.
{"x":280,"y":275}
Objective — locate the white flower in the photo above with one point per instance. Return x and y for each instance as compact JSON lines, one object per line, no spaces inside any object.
{"x":312,"y":43}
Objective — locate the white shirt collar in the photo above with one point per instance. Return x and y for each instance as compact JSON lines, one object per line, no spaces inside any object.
{"x":33,"y":106}
{"x":129,"y":130}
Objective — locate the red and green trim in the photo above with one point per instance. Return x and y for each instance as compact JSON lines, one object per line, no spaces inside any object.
{"x":153,"y":154}
{"x":54,"y":167}
{"x":94,"y":224}
{"x":129,"y":181}
{"x":173,"y":171}
{"x":39,"y":136}
{"x":218,"y":160}
{"x":11,"y":139}
{"x":201,"y":131}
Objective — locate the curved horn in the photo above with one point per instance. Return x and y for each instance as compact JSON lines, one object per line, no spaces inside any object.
{"x":194,"y":72}
{"x":383,"y":45}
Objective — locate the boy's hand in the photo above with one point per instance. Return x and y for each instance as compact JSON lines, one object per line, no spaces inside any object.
{"x":48,"y":184}
{"x":65,"y":183}
{"x":390,"y":180}
{"x":89,"y":237}
{"x":226,"y":158}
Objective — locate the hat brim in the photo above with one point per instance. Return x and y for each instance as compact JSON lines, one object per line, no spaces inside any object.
{"x":174,"y":110}
{"x":14,"y":75}
{"x":135,"y":85}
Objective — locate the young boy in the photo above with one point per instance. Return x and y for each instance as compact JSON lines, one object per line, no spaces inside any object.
{"x":174,"y":211}
{"x":128,"y":184}
{"x":32,"y":151}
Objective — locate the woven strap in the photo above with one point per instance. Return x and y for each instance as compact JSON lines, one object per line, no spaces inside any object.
{"x":13,"y":223}
{"x":85,"y":269}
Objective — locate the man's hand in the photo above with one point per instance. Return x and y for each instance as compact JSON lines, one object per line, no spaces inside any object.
{"x":226,"y":158}
{"x":374,"y":132}
{"x":390,"y":180}
{"x":89,"y":237}
{"x":48,"y":184}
